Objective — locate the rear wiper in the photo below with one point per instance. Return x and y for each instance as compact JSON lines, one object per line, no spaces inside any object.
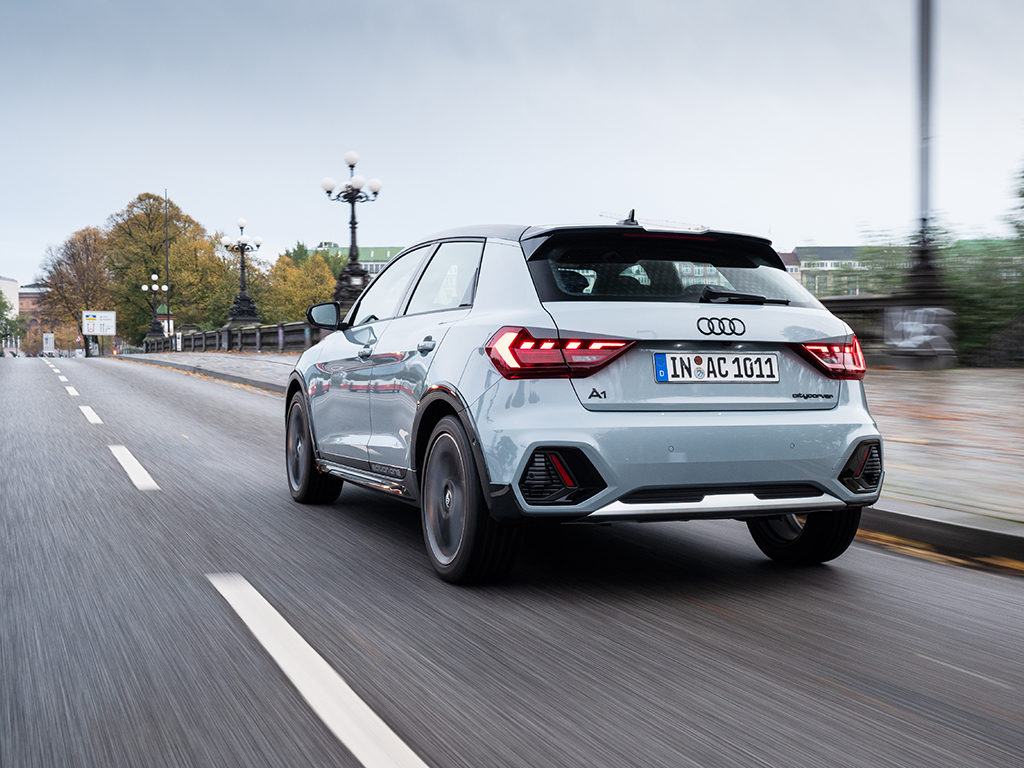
{"x":710,"y":294}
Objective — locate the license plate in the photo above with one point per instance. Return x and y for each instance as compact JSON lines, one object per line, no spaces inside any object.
{"x":699,"y":368}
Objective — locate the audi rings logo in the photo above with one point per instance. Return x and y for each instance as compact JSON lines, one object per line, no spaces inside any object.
{"x":721,"y":326}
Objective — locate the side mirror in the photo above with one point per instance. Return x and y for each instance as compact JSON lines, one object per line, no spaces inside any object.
{"x":327,"y":315}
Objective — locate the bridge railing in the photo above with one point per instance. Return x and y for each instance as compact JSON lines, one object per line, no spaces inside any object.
{"x":278,"y":337}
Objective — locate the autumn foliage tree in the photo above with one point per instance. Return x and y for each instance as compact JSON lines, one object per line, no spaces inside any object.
{"x":291,"y":289}
{"x":104,"y":269}
{"x":137,"y":237}
{"x":77,"y":278}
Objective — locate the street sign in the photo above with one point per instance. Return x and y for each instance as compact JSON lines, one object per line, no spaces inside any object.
{"x":48,"y":343}
{"x":97,"y":323}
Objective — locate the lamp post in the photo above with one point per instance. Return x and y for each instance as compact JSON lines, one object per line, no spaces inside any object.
{"x":243,"y":310}
{"x":156,"y":329}
{"x":353,"y":277}
{"x":924,"y":284}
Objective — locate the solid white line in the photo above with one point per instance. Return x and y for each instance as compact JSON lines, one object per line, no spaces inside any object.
{"x":136,"y":472}
{"x":63,"y":378}
{"x":1000,"y":683}
{"x":72,"y":391}
{"x":355,"y":725}
{"x":90,"y":414}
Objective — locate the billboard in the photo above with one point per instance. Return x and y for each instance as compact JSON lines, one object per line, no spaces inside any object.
{"x":99,"y":323}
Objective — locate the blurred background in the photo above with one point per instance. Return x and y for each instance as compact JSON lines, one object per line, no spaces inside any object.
{"x":793,"y":120}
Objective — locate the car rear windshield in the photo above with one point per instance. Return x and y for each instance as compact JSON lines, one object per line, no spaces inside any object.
{"x":641,"y":266}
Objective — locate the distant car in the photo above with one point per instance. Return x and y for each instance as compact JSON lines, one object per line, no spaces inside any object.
{"x":602,"y":373}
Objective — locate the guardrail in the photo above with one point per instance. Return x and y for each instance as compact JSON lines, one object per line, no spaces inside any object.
{"x":280,"y":337}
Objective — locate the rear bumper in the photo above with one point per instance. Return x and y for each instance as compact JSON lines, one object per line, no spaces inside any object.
{"x":640,"y":450}
{"x":717,"y":506}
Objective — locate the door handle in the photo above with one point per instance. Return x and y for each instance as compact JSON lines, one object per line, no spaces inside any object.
{"x":365,"y":352}
{"x":426,"y":345}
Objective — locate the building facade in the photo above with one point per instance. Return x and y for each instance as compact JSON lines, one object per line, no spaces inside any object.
{"x":829,"y":270}
{"x":373,"y":258}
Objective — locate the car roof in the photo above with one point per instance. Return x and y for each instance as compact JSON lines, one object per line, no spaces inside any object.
{"x":519,"y":232}
{"x":526,"y":232}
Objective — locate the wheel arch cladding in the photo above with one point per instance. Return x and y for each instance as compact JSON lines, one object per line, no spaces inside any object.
{"x":436,"y":405}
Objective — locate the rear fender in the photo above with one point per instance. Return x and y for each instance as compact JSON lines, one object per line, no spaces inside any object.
{"x":440,"y":400}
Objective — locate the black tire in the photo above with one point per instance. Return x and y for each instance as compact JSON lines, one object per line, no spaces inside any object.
{"x":464,"y":543}
{"x":308,"y":485}
{"x":807,"y":539}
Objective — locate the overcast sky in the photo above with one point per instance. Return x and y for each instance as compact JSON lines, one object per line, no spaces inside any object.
{"x":795,"y":119}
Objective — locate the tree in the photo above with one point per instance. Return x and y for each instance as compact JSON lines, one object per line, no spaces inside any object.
{"x":885,"y":267}
{"x":1016,"y":218}
{"x":333,"y":257}
{"x":76,"y":278}
{"x":986,"y":280}
{"x":298,"y":254}
{"x":9,"y":326}
{"x":199,"y":280}
{"x":335,"y":260}
{"x":291,"y":289}
{"x":205,"y":281}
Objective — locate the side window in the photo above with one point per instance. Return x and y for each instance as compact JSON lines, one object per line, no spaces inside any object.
{"x":449,"y":279}
{"x":381,"y":299}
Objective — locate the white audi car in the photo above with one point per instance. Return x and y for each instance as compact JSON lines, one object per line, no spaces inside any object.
{"x":588,"y":373}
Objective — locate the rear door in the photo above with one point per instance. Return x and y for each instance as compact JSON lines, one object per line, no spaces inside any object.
{"x":714,"y":322}
{"x":402,"y":357}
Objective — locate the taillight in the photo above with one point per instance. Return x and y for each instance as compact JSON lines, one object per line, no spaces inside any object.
{"x":837,"y":361}
{"x":517,"y":354}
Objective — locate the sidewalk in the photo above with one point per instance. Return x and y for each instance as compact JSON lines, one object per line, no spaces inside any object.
{"x":953,"y":445}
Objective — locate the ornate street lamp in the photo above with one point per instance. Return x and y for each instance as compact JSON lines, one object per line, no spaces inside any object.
{"x":156,"y":328}
{"x":352,"y":278}
{"x":243,"y":310}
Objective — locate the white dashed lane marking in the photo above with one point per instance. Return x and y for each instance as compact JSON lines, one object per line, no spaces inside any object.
{"x":350,"y":719}
{"x":62,"y":378}
{"x":136,"y":472}
{"x":72,"y":391}
{"x":90,"y":414}
{"x":1000,"y":683}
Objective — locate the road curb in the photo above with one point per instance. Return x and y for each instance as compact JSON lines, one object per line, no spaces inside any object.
{"x":946,"y":537}
{"x":279,"y":389}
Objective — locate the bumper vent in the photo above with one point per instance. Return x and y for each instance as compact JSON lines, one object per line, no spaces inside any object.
{"x":863,"y":472}
{"x":559,"y":476}
{"x":541,"y":482}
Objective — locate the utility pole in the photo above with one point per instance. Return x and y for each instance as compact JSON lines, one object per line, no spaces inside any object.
{"x":167,"y":272}
{"x":923,"y":285}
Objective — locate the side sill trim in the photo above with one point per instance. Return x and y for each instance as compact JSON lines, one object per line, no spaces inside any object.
{"x":366,"y":479}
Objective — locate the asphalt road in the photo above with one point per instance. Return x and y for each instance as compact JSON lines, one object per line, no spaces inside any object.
{"x":665,"y":644}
